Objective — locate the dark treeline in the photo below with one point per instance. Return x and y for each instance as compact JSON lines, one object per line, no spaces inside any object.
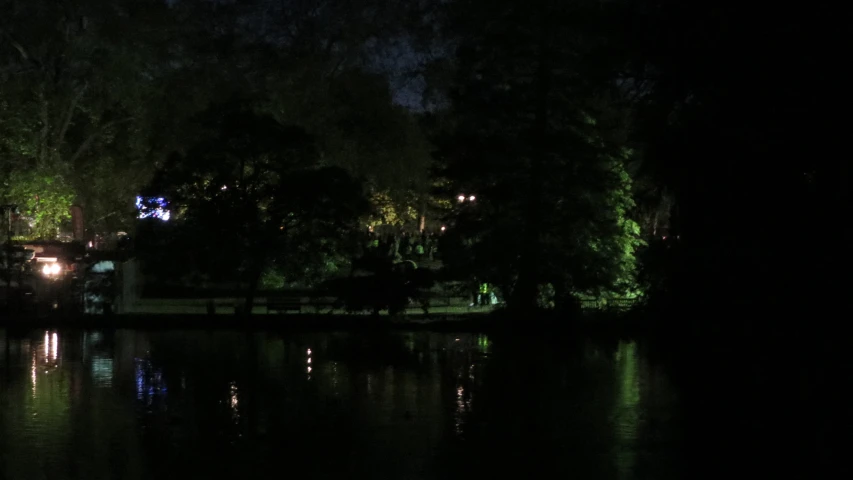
{"x":740,"y":126}
{"x":676,"y":154}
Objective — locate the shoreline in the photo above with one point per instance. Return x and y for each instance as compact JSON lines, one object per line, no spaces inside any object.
{"x":297,"y":322}
{"x":602,"y":325}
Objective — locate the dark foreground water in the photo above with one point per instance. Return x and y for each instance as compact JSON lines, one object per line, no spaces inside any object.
{"x":131,"y":404}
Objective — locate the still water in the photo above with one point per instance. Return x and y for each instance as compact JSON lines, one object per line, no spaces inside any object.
{"x":133,"y":404}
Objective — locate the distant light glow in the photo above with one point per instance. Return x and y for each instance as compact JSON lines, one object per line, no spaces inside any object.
{"x":102,"y":371}
{"x":461,"y":198}
{"x":472,"y":198}
{"x":139,"y":372}
{"x":51,"y":269}
{"x":149,"y":381}
{"x":483,"y":342}
{"x":33,"y":374}
{"x":460,"y":409}
{"x":443,"y":228}
{"x":235,"y":403}
{"x":159,"y":210}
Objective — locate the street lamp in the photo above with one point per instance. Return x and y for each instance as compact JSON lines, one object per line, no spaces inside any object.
{"x":461,"y":198}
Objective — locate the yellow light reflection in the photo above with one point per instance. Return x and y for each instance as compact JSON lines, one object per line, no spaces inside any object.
{"x":54,"y":347}
{"x":46,"y":346}
{"x":33,"y":372}
{"x":460,"y":409}
{"x":235,"y":402}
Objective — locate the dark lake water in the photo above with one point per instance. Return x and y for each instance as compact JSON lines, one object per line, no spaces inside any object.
{"x":132,"y":404}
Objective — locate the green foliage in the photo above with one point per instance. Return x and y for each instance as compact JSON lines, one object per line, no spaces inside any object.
{"x":102,"y":93}
{"x":77,"y":87}
{"x":273,"y":279}
{"x":42,"y":198}
{"x":357,"y":127}
{"x":545,"y":296}
{"x":539,"y":138}
{"x":388,"y":212}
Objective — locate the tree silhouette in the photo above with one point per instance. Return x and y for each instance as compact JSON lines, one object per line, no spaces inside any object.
{"x":255,"y":195}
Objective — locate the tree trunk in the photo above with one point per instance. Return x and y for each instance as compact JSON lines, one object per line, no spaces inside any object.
{"x":526,"y":291}
{"x":561,"y":293}
{"x":251,"y":291}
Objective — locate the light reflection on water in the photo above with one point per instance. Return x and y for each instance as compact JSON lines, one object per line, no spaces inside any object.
{"x":627,"y":409}
{"x":410,"y":405}
{"x":235,"y":402}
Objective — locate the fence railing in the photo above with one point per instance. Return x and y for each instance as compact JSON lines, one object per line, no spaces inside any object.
{"x":613,"y":303}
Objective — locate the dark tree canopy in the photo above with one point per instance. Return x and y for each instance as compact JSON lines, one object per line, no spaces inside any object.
{"x":738,"y":126}
{"x":537,"y":138}
{"x":255,"y":196}
{"x":94,"y":94}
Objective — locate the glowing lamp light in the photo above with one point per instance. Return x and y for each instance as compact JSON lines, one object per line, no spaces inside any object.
{"x":51,"y":269}
{"x":472,"y":198}
{"x":443,"y":228}
{"x":461,"y":198}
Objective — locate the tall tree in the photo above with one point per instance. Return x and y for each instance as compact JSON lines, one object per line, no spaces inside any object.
{"x":324,"y":68}
{"x":722,"y":108}
{"x":256,"y":190}
{"x":540,"y":143}
{"x":75,"y":82}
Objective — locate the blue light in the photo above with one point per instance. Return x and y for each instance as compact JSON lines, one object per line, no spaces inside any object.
{"x":153,"y":207}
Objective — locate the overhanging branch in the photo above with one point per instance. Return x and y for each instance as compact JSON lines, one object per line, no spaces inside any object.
{"x":17,"y":46}
{"x":88,"y":142}
{"x":60,"y":139}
